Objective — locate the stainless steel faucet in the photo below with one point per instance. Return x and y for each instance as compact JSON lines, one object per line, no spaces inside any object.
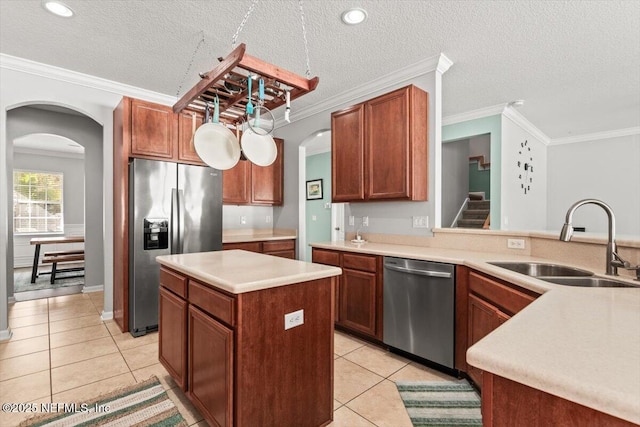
{"x":613,"y":259}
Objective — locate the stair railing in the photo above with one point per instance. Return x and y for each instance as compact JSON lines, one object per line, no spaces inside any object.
{"x":462,"y":208}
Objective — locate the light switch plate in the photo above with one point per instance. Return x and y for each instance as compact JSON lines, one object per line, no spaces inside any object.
{"x":352,"y":220}
{"x":291,"y":320}
{"x":365,"y":221}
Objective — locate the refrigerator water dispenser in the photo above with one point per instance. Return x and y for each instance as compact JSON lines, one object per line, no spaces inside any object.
{"x":156,"y":233}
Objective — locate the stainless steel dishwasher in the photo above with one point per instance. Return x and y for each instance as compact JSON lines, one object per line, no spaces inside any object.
{"x":419,"y":312}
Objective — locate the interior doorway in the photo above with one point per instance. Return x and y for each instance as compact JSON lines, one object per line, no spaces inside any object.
{"x":319,"y":219}
{"x":55,"y":145}
{"x":48,"y":202}
{"x":466,"y":182}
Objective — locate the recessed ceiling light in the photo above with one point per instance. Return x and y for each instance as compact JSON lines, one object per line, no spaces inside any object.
{"x":57,"y":8}
{"x":354,"y":16}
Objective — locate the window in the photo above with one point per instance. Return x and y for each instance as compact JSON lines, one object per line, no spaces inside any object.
{"x":37,"y":202}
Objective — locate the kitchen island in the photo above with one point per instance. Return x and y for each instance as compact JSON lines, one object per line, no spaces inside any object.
{"x":249,"y":337}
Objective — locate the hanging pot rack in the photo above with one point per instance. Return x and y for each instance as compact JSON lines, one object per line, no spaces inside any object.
{"x":234,"y":70}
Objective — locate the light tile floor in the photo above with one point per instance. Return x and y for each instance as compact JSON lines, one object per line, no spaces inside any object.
{"x":61,"y":351}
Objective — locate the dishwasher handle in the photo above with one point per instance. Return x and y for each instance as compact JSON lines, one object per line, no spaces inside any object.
{"x":428,"y":273}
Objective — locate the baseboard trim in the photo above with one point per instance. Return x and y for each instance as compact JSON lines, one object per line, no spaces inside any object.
{"x":95,"y":288}
{"x":107,"y":315}
{"x":6,"y":334}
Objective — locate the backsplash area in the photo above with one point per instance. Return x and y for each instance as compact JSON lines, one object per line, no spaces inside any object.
{"x":234,"y":216}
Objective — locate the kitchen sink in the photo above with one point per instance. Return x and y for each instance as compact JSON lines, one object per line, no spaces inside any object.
{"x":590,"y":282}
{"x":535,"y":269}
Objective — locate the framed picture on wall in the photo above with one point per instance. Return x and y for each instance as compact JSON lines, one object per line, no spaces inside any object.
{"x":314,"y":189}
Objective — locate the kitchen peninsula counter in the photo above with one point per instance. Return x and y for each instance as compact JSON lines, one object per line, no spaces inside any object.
{"x":264,"y":322}
{"x":581,"y":344}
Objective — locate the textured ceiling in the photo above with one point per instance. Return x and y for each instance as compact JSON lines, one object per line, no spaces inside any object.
{"x":576,"y":63}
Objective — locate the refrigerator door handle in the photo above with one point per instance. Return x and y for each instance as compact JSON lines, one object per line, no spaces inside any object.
{"x":181,"y":221}
{"x":175,"y":219}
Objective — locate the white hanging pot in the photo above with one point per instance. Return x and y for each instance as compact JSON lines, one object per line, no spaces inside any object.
{"x":216,"y":145}
{"x":259,"y":149}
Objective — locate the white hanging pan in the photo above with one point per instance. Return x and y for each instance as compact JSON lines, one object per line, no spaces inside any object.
{"x":216,"y":145}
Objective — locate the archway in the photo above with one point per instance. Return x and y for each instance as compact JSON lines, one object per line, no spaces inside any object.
{"x":76,"y":126}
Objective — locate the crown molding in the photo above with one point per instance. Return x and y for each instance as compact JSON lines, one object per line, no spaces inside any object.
{"x":438,"y":63}
{"x":525,"y":124}
{"x":15,"y":63}
{"x":480,"y":113}
{"x":49,"y":153}
{"x":597,"y":136}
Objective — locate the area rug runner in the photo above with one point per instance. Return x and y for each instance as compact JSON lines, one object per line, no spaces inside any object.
{"x":441,"y":403}
{"x":143,"y":404}
{"x":22,"y":282}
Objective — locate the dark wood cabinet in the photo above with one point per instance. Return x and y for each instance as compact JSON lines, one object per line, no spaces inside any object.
{"x":483,"y":303}
{"x":283,"y":248}
{"x":358,"y":301}
{"x":347,"y":154}
{"x":236,"y":184}
{"x":380,"y":148}
{"x":211,"y":367}
{"x":188,"y":123}
{"x":249,"y":184}
{"x":358,"y":291}
{"x":483,"y":318}
{"x":173,"y":336}
{"x":506,"y":403}
{"x":267,"y":181}
{"x":153,"y":130}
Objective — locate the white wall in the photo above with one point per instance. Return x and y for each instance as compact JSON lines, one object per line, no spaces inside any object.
{"x":384,"y":217}
{"x":606,"y":169}
{"x":72,"y":169}
{"x":25,"y":82}
{"x":480,"y":146}
{"x":255,"y":217}
{"x":522,"y":211}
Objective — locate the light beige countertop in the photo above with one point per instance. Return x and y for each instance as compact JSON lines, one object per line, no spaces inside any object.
{"x":238,"y":271}
{"x":244,"y":235}
{"x":581,"y":344}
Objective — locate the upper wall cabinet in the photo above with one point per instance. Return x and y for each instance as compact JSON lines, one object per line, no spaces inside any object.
{"x":158,"y":133}
{"x":379,"y":148}
{"x":249,"y":184}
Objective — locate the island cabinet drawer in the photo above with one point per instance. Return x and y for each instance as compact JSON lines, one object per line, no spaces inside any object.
{"x":173,"y":281}
{"x":245,"y":246}
{"x":506,"y":297}
{"x":360,"y":262}
{"x":278,"y":245}
{"x":321,"y":256}
{"x":217,"y":304}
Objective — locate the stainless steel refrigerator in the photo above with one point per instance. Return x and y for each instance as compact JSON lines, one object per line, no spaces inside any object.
{"x":173,"y":209}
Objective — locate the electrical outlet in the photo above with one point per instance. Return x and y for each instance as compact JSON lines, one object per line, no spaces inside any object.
{"x":314,"y":218}
{"x":243,"y":219}
{"x":268,"y":219}
{"x":420,"y":222}
{"x":291,"y":320}
{"x":365,"y":221}
{"x":352,"y":220}
{"x":515,"y":243}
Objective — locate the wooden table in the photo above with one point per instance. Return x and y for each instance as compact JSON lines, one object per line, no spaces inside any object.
{"x":38,"y":241}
